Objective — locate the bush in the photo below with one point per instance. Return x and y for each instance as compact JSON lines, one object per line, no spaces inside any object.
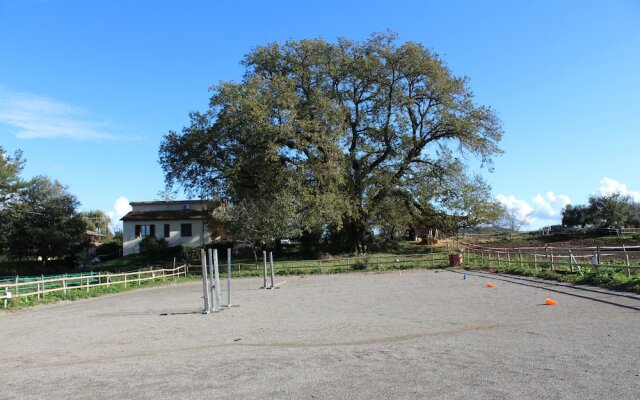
{"x":108,"y":251}
{"x":153,"y":248}
{"x":598,"y":276}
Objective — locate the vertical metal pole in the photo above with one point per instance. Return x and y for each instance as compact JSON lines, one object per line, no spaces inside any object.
{"x":229,"y":277}
{"x":272,"y":272}
{"x":212,"y":283}
{"x":264,"y":271}
{"x":205,"y":288}
{"x":216,"y":272}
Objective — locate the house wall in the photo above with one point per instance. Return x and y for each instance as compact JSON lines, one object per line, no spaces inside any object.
{"x":199,"y":232}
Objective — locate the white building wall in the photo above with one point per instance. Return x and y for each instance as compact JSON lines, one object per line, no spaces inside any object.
{"x":199,"y":234}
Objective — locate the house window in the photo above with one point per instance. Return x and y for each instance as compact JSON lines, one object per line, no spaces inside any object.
{"x":185,"y":229}
{"x":145,"y":230}
{"x":167,"y":230}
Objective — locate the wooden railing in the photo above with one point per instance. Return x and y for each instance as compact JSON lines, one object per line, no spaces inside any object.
{"x":44,"y":285}
{"x":572,"y":259}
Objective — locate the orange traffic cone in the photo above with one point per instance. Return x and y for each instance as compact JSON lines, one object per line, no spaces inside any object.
{"x":489,"y":285}
{"x":550,"y":302}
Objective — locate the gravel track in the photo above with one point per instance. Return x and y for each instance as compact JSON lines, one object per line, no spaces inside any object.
{"x":409,"y":335}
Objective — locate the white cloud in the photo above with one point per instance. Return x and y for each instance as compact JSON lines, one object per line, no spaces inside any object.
{"x":550,"y":205}
{"x":120,"y":208}
{"x":546,"y":209}
{"x":523,"y":208}
{"x":610,"y":186}
{"x":33,"y":116}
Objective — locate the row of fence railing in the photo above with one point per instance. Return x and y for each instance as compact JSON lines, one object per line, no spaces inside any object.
{"x":554,"y":258}
{"x":339,"y":264}
{"x":40,"y":286}
{"x":574,"y":259}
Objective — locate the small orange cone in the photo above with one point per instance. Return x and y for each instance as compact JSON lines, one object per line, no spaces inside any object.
{"x":550,"y":302}
{"x":489,"y":285}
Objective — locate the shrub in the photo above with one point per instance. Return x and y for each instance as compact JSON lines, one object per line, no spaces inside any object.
{"x":153,"y":248}
{"x":599,"y":276}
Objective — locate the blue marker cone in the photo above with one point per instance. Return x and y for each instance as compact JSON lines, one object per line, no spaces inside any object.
{"x":464,"y":278}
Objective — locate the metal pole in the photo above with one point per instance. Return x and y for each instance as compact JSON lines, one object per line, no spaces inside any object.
{"x":216,"y":272}
{"x":272,"y":273}
{"x":212,"y":283}
{"x":264,"y":271}
{"x":205,"y":288}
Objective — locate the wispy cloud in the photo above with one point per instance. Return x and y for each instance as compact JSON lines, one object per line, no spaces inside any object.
{"x":31,"y":116}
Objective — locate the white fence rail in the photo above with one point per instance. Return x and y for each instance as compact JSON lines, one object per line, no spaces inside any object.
{"x":44,"y":285}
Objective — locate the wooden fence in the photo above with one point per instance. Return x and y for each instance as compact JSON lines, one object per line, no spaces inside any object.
{"x":373,"y":262}
{"x":44,"y":285}
{"x":556,"y":258}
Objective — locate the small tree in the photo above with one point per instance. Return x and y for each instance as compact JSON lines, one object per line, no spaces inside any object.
{"x":512,"y":220}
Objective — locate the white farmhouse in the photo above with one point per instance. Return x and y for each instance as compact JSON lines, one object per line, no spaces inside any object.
{"x":177,"y":222}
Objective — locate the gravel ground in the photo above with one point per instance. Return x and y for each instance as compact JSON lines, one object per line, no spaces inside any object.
{"x":409,"y":335}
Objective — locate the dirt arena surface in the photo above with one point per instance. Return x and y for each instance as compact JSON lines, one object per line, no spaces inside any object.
{"x":414,"y":335}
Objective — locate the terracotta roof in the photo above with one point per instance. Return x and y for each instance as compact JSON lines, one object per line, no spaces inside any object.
{"x":163,"y":215}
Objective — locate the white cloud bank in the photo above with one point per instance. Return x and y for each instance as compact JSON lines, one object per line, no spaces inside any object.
{"x":120,"y":208}
{"x":521,"y":207}
{"x":33,"y":116}
{"x":610,"y":186}
{"x":547,"y":209}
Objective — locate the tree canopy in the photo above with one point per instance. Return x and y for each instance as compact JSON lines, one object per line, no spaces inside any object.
{"x":603,"y":211}
{"x":38,"y":217}
{"x":350,"y":136}
{"x":44,"y":221}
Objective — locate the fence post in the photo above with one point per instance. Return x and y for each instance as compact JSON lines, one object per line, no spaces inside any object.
{"x":17,"y":287}
{"x":125,"y":280}
{"x":520,"y":257}
{"x":552,"y":265}
{"x":42,"y":284}
{"x":535,"y":260}
{"x":64,"y":283}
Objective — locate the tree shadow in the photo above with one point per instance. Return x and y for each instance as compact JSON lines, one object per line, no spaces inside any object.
{"x":543,"y":284}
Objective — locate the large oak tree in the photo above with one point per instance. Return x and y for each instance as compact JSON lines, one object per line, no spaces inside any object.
{"x":349,"y":135}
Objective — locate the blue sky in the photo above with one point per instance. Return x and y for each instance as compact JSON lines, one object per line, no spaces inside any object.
{"x":88,"y":88}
